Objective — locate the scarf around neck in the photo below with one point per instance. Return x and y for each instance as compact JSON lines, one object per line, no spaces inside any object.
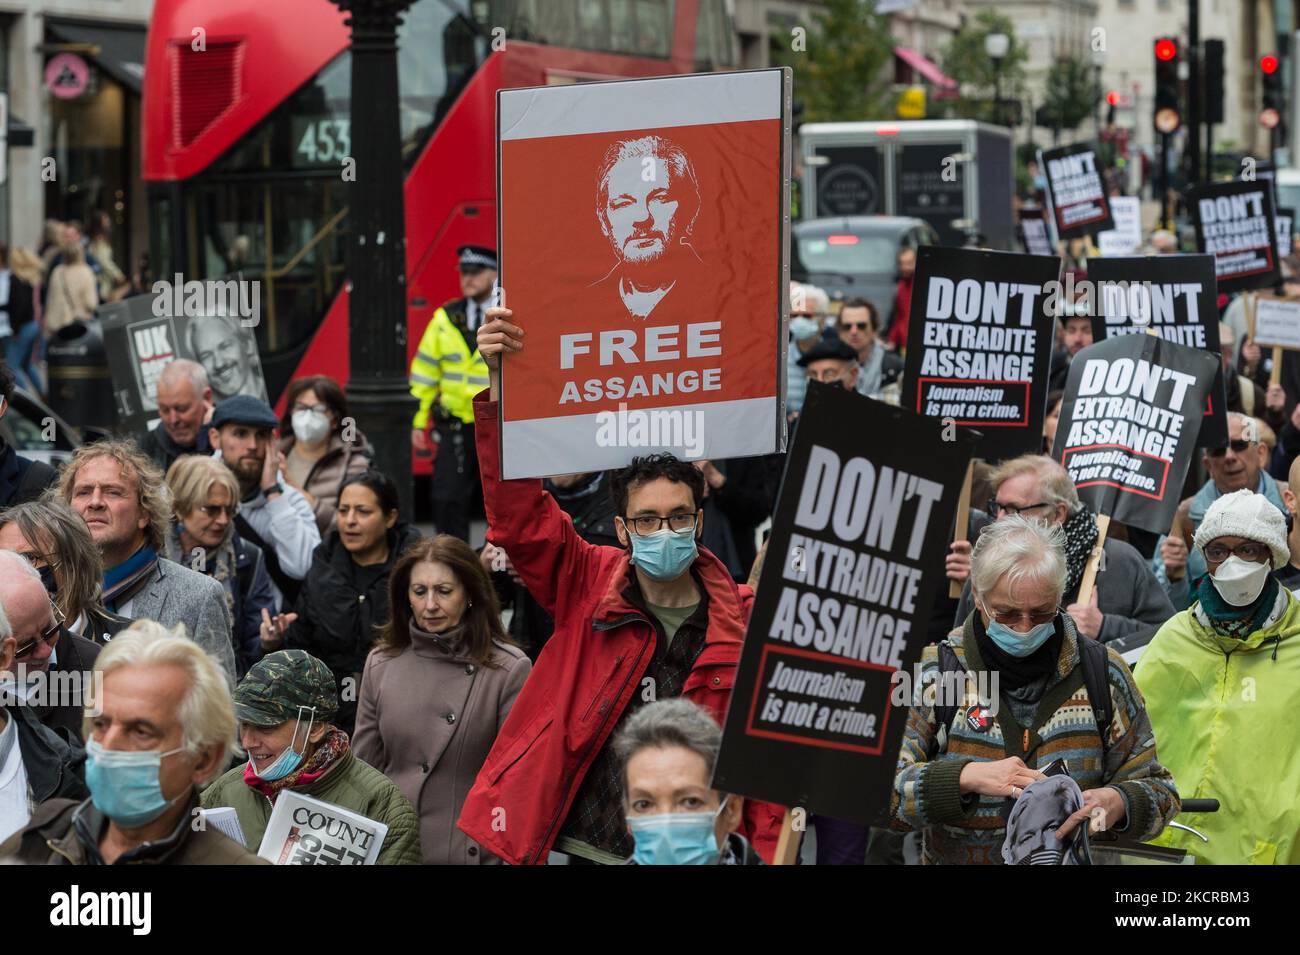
{"x":333,"y":746}
{"x":219,"y":566}
{"x":126,"y":579}
{"x":1080,"y":538}
{"x":1236,"y":622}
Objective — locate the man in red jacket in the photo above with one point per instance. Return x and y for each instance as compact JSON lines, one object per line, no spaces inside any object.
{"x":661,"y":619}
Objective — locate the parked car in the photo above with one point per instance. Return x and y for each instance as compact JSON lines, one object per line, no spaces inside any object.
{"x":36,"y":432}
{"x":855,"y":256}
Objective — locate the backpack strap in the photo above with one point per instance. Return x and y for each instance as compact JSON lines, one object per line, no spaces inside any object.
{"x":944,"y":712}
{"x":1096,"y":671}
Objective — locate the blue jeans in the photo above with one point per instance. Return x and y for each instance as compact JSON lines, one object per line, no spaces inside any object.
{"x":18,"y":356}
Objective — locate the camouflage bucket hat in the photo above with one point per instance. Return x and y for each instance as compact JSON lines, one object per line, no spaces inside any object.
{"x":281,"y":683}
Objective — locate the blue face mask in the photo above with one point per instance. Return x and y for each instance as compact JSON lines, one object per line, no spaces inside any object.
{"x":124,"y":784}
{"x":676,"y":838}
{"x":290,"y":759}
{"x":665,"y":554}
{"x":803,"y":328}
{"x":1019,"y":644}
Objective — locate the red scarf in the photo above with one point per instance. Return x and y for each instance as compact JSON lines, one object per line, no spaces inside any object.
{"x":332,"y":747}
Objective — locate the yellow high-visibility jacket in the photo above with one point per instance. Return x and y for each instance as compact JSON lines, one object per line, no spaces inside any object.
{"x":447,"y":367}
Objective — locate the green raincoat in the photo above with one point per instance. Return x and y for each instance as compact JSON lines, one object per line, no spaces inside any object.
{"x":1225,"y":713}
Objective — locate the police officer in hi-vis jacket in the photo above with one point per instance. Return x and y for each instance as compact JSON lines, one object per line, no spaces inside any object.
{"x":446,"y":373}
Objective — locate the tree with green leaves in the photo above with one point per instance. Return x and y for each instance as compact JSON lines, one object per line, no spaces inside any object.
{"x":965,"y":60}
{"x":1072,"y":94}
{"x":841,"y":67}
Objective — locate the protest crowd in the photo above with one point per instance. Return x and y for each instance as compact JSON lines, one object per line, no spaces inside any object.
{"x":228,"y":617}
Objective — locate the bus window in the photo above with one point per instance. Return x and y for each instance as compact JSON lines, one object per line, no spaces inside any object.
{"x":633,"y":27}
{"x":714,"y":36}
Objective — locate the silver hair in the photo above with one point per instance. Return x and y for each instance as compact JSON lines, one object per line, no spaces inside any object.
{"x":191,"y":371}
{"x":6,"y":631}
{"x":1249,"y":429}
{"x":673,"y":156}
{"x":1054,"y":479}
{"x":24,"y":565}
{"x":206,"y":711}
{"x":1017,"y":549}
{"x":52,"y":527}
{"x":674,"y":722}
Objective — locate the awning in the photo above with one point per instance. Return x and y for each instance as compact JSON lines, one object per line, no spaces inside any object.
{"x":926,"y":68}
{"x":19,"y":133}
{"x":118,"y":49}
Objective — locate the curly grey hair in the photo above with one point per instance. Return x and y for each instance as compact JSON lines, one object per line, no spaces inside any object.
{"x":1019,"y":549}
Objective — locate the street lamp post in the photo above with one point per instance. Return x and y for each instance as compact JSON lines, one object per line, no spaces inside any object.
{"x":1098,"y":61}
{"x":996,"y":46}
{"x":378,"y":392}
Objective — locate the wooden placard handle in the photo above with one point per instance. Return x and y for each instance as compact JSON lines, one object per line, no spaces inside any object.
{"x":1250,"y":316}
{"x":962,"y":524}
{"x":1275,"y":375}
{"x":1094,"y":561}
{"x":787,"y":843}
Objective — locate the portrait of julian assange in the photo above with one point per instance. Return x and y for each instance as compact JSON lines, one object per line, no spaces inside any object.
{"x":647,"y":204}
{"x":228,"y":353}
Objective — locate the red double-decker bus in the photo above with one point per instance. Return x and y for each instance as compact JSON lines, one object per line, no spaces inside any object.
{"x":247,"y":128}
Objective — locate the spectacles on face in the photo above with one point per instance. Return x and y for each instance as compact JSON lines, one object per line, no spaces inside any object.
{"x":1012,"y":618}
{"x":1240,"y":446}
{"x":647,"y":524}
{"x":855,"y":326}
{"x":49,"y":636}
{"x":828,"y":376}
{"x":298,"y":406}
{"x":996,"y":508}
{"x":213,"y":511}
{"x":1250,"y":551}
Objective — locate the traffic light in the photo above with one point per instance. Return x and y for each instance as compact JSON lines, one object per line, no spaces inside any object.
{"x":1168,"y":111}
{"x":1213,"y":66}
{"x":1271,"y":112}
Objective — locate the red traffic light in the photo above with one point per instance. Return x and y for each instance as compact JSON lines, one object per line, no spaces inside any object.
{"x":1268,"y":64}
{"x":1113,"y":98}
{"x":1166,"y":50}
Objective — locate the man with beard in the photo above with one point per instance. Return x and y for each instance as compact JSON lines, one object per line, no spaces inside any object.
{"x":273,"y":514}
{"x":228,"y":354}
{"x":647,"y":204}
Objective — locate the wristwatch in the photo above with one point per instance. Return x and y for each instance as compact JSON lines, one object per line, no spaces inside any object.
{"x":276,"y":488}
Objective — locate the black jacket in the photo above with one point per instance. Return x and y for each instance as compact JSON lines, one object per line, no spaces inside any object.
{"x":102,"y":625}
{"x":20,"y":303}
{"x":21,"y":479}
{"x":163,"y":451}
{"x":75,"y":654}
{"x":336,"y":620}
{"x":54,"y":766}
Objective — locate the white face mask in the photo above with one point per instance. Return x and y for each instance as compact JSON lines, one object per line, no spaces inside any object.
{"x":310,"y":427}
{"x":1240,"y":582}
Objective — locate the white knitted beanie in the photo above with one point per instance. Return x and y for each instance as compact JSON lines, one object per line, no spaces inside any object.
{"x":1248,"y":515}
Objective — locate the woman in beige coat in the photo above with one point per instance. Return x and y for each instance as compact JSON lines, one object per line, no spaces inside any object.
{"x":437,"y":688}
{"x":73,"y":294}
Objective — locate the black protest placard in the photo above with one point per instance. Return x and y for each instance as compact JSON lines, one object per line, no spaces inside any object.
{"x":979,"y":340}
{"x":195,"y":320}
{"x":1284,"y":225}
{"x":1076,"y":190}
{"x":1234,"y":223}
{"x":853,"y":568}
{"x":1033,"y":232}
{"x":1174,"y":295}
{"x":1132,"y":411}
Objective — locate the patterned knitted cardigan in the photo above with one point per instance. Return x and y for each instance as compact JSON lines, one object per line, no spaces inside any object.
{"x":965,"y":829}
